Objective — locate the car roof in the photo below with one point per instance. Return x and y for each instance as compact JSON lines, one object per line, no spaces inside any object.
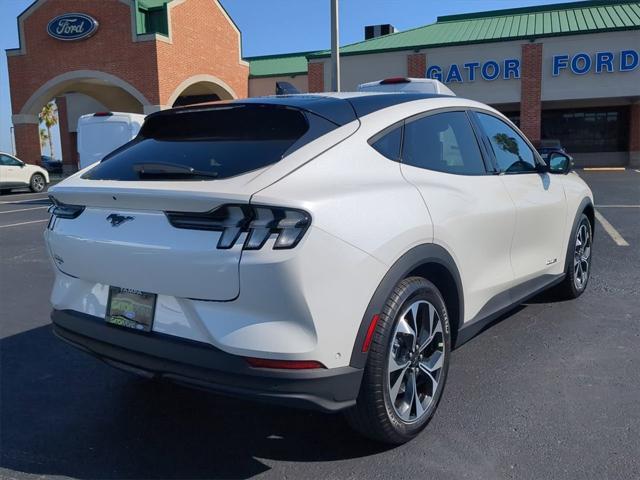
{"x":339,"y":108}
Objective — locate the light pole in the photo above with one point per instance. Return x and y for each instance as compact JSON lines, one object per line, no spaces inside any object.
{"x":335,"y":47}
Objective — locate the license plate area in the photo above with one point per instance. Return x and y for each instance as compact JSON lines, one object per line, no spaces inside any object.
{"x":130,"y":308}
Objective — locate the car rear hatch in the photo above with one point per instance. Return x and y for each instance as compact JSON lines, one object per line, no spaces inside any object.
{"x":113,"y":225}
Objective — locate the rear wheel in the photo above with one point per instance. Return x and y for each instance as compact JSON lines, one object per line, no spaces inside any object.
{"x":37,"y":183}
{"x":407,"y":365}
{"x":579,"y":265}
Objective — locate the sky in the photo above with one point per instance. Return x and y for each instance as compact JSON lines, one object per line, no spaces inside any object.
{"x":280,"y":26}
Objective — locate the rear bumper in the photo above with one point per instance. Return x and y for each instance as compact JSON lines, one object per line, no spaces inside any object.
{"x":202,"y":366}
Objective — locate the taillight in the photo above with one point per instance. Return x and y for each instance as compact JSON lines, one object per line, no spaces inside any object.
{"x":63,"y":210}
{"x":258,"y":221}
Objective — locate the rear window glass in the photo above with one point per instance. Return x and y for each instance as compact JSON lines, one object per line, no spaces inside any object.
{"x":210,"y":144}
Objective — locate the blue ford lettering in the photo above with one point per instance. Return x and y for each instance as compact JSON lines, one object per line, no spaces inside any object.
{"x":489,"y":70}
{"x":72,"y":26}
{"x":582,"y":63}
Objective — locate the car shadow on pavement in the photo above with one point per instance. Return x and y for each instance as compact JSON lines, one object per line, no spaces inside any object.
{"x":65,"y":413}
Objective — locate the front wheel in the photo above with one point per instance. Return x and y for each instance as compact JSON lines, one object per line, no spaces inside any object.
{"x":37,"y":183}
{"x":407,"y":365}
{"x":579,"y":264}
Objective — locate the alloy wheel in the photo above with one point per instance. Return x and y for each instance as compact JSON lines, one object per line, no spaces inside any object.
{"x":38,"y":183}
{"x":582,"y":256}
{"x":416,"y":358}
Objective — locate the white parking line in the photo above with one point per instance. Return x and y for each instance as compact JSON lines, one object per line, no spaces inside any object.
{"x":23,"y":201}
{"x":23,"y":210}
{"x":23,"y":223}
{"x":613,"y":233}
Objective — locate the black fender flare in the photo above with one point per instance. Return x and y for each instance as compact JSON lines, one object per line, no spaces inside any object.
{"x":586,"y":202}
{"x":408,"y":262}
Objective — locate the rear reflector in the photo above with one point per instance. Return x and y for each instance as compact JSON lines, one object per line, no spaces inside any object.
{"x":394,"y":80}
{"x":372,"y":328}
{"x":284,"y":364}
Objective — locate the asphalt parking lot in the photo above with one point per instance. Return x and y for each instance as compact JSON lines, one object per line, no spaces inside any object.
{"x":550,"y":391}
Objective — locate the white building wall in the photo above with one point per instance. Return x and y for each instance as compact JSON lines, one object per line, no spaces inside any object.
{"x":591,"y":85}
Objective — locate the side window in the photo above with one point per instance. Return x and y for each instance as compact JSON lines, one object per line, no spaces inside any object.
{"x":388,"y":143}
{"x":443,"y":142}
{"x":512,"y":152}
{"x":9,"y":161}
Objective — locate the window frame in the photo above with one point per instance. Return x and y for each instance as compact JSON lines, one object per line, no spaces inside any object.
{"x":489,"y":146}
{"x":489,"y":167}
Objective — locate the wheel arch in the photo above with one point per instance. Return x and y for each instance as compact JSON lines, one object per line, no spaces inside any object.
{"x":586,"y":207}
{"x":429,"y":261}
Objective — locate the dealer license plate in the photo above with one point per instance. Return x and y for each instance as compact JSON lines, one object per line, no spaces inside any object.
{"x":131,"y":308}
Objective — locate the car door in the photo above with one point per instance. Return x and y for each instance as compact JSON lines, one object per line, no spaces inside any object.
{"x":472,"y":213}
{"x":10,"y":171}
{"x":538,"y":196}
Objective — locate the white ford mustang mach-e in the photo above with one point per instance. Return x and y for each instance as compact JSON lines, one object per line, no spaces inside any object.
{"x":322,"y":251}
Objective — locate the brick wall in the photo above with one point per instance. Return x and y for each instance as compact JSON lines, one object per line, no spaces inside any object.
{"x":27,"y":142}
{"x":531,"y":90}
{"x":110,"y":50}
{"x":416,"y":65}
{"x":204,"y":42}
{"x":316,"y":77}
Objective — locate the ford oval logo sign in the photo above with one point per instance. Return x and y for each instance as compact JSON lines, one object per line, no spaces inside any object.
{"x":72,"y":26}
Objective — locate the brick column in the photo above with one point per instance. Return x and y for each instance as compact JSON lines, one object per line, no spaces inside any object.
{"x":68,"y":145}
{"x":416,"y":65}
{"x":27,"y":142}
{"x":531,"y":90}
{"x":316,"y":77}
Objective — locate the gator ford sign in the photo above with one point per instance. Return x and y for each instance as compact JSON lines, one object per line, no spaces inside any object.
{"x":578,"y":64}
{"x":72,"y":26}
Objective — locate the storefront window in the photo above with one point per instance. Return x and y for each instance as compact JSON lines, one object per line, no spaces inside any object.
{"x":588,"y":130}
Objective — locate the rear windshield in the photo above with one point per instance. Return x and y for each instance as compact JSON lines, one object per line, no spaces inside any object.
{"x":211,"y":144}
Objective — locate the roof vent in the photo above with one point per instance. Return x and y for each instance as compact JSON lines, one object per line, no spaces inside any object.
{"x":375,"y":31}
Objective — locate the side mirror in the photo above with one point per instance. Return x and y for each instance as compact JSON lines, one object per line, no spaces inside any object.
{"x":560,"y":163}
{"x":22,"y":164}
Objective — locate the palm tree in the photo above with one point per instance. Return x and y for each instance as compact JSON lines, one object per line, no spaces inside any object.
{"x":44,"y":138}
{"x":49,"y":116}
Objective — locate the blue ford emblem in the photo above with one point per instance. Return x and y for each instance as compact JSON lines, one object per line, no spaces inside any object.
{"x":72,"y":26}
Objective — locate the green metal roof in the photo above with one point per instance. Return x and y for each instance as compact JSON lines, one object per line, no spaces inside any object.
{"x":278,"y":65}
{"x":503,"y":25}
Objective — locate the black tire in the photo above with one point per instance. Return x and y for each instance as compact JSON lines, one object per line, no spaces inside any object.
{"x":571,"y":287}
{"x":375,"y":416}
{"x":37,"y":183}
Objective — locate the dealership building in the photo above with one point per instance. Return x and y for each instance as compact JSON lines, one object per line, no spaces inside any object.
{"x":567,"y":72}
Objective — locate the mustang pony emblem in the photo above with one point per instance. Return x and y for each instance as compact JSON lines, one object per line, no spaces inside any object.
{"x":117,"y":220}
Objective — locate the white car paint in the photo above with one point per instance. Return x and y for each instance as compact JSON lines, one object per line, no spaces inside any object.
{"x":15,"y":173}
{"x":308,"y":302}
{"x":101,"y":133}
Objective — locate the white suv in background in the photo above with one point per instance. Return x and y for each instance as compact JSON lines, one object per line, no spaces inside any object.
{"x":323,"y":251}
{"x":15,"y":173}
